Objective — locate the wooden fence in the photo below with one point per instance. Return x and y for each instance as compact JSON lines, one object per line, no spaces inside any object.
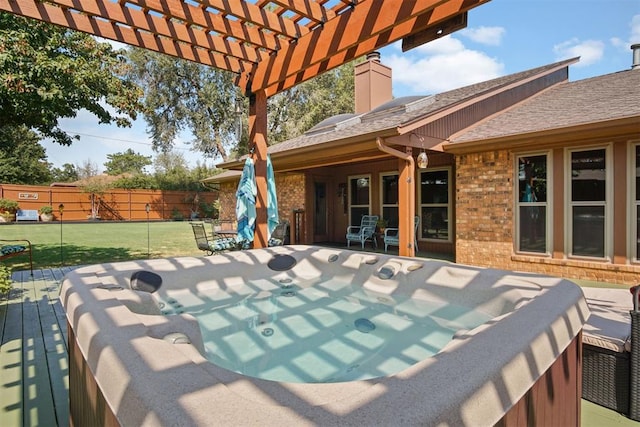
{"x":116,"y":204}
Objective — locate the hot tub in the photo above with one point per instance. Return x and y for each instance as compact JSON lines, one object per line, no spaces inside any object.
{"x":139,"y":353}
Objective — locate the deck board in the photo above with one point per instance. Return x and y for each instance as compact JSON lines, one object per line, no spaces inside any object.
{"x":11,"y":361}
{"x":33,"y":352}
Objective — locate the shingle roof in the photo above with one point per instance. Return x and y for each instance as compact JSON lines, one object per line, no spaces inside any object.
{"x":603,"y":98}
{"x":417,"y":108}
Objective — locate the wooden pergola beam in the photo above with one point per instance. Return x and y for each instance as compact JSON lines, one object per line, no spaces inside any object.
{"x":111,"y":30}
{"x":308,"y":9}
{"x":214,"y":22}
{"x":365,"y":28}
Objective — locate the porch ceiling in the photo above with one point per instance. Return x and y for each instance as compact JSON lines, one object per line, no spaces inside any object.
{"x":271,"y":45}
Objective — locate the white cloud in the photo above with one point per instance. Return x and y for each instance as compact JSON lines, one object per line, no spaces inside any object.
{"x":589,"y":51}
{"x":491,"y":36}
{"x":635,"y":29}
{"x":634,"y":36}
{"x":439,"y":66}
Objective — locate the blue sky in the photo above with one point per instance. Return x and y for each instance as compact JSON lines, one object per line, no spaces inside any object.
{"x":502,"y":37}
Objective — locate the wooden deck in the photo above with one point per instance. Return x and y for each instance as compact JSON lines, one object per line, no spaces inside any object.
{"x":33,"y":352}
{"x":34,"y":382}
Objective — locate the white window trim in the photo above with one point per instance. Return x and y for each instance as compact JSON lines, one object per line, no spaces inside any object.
{"x":448,"y":205}
{"x":350,"y":206}
{"x":381,"y":192}
{"x":548,"y":204}
{"x":608,"y":203}
{"x":632,"y":203}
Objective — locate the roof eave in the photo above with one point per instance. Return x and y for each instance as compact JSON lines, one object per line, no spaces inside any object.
{"x":621,"y":128}
{"x":336,"y":150}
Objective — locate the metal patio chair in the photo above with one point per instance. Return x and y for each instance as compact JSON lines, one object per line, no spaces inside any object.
{"x":363,"y":232}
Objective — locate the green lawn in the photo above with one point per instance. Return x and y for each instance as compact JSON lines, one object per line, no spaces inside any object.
{"x":97,"y":242}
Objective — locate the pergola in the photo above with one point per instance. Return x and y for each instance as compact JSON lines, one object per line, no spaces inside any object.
{"x":271,"y":45}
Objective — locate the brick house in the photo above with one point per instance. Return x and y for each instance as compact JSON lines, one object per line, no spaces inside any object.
{"x":527,"y":172}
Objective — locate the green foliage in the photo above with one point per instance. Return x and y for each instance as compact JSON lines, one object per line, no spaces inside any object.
{"x":8,"y":206}
{"x":293,"y":112}
{"x":5,"y":280}
{"x":22,"y":158}
{"x":46,"y":210}
{"x":176,"y":215}
{"x":48,"y":72}
{"x":127,"y":162}
{"x":68,"y":173}
{"x":139,"y":181}
{"x":181,"y":95}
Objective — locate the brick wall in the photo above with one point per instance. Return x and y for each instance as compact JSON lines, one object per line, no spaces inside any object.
{"x":484,"y":208}
{"x":289,"y":187}
{"x":485,"y":227}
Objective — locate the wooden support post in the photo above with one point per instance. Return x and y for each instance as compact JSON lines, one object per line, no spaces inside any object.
{"x":406,"y":205}
{"x":258,"y":142}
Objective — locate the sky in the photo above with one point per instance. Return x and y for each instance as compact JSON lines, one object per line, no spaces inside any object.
{"x":502,"y":37}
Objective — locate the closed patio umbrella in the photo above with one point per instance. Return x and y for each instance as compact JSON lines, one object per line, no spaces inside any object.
{"x":272,"y":200}
{"x":246,"y":204}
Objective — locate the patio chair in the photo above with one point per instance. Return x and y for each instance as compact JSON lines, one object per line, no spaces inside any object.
{"x":15,"y":247}
{"x":280,"y":235}
{"x":611,"y":351}
{"x":363,"y":232}
{"x":392,"y":235}
{"x":211,"y":246}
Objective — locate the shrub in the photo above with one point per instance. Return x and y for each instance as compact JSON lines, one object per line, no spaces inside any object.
{"x":5,"y":279}
{"x":8,"y":206}
{"x":46,"y":210}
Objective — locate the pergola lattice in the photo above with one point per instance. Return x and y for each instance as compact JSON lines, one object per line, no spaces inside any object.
{"x":271,"y":45}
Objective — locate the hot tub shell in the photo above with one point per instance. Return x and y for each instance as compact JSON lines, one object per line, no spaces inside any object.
{"x":125,"y":368}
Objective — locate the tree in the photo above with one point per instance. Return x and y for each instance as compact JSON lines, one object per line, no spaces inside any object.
{"x":87,"y":169}
{"x":96,"y":187}
{"x":48,"y":72}
{"x":68,"y":173}
{"x":182,"y":95}
{"x":127,"y":162}
{"x":22,"y":158}
{"x":294,"y":111}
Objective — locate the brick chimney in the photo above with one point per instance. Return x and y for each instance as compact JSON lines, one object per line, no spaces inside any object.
{"x":372,"y":84}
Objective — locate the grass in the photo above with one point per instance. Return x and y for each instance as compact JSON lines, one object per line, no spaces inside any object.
{"x":55,"y":245}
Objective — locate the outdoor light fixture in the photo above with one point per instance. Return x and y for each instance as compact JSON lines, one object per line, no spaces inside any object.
{"x":422,"y":160}
{"x":60,"y":208}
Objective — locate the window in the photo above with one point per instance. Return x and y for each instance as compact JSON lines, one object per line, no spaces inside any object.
{"x":389,"y":198}
{"x":635,"y":202}
{"x":359,"y":197}
{"x":532,"y":210}
{"x":434,"y":205}
{"x":589,"y":194}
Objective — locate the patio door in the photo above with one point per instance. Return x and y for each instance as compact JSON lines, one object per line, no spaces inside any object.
{"x":320,"y":213}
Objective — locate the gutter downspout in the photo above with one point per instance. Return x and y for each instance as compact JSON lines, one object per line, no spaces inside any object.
{"x":406,"y":197}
